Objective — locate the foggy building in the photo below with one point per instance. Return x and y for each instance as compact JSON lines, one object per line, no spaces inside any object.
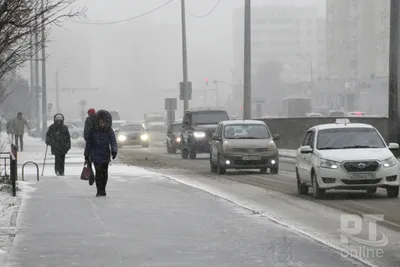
{"x":287,"y":34}
{"x":357,"y":38}
{"x":135,"y":71}
{"x":279,"y":33}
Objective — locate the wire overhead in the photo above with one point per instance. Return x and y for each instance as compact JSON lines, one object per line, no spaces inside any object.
{"x":207,"y":14}
{"x":124,"y":20}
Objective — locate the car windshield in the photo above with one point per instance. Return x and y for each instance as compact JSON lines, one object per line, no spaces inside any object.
{"x":117,"y":125}
{"x":209,"y":117}
{"x":155,"y":119}
{"x":132,"y":127}
{"x":246,"y":131}
{"x":346,"y":138}
{"x":176,"y":128}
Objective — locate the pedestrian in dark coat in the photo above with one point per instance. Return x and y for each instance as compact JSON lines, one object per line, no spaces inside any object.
{"x":59,"y":139}
{"x":100,"y":146}
{"x":89,"y":123}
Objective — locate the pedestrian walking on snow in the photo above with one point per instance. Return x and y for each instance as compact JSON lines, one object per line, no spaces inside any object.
{"x":89,"y":123}
{"x":100,"y":146}
{"x":18,"y":126}
{"x":59,"y":139}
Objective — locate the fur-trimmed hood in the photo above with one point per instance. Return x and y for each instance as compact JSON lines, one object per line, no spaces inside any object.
{"x":104,"y":115}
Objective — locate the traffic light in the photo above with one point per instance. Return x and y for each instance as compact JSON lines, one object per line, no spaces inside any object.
{"x":206,"y":81}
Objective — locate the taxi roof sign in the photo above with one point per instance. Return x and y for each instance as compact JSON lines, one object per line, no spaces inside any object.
{"x":342,"y":121}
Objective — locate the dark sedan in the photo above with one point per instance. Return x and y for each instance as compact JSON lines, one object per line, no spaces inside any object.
{"x":132,"y":134}
{"x":173,"y":139}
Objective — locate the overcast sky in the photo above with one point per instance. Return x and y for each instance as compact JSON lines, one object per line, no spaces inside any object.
{"x":209,"y":43}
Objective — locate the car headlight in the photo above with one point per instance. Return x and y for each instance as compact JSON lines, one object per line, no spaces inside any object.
{"x":144,"y":137}
{"x":121,"y":138}
{"x":178,"y":139}
{"x":390,"y":162}
{"x":329,"y":164}
{"x":199,"y":134}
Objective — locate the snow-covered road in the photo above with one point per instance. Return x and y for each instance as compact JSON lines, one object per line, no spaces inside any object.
{"x":154,"y":219}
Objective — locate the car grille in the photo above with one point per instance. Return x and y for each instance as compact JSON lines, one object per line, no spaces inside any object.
{"x":361,"y":166}
{"x":133,"y":136}
{"x":356,"y":182}
{"x":249,"y":162}
{"x":249,"y":150}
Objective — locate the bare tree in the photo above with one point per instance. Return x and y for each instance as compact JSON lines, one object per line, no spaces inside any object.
{"x":19,"y":20}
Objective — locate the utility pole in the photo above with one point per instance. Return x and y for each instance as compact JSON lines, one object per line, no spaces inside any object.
{"x":247,"y":62}
{"x":216,"y":93}
{"x":184,"y":58}
{"x":57,"y":93}
{"x":37,"y":70}
{"x":394,"y":71}
{"x":32,"y":82}
{"x":44,"y":92}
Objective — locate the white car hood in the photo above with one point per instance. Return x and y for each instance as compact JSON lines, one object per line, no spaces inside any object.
{"x":340,"y":155}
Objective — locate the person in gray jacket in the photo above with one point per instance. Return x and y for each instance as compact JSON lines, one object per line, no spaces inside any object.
{"x":19,"y":123}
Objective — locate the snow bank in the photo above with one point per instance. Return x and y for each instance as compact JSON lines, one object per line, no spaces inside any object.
{"x":9,"y":207}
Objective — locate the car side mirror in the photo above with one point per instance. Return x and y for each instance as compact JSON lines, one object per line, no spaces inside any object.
{"x":393,"y":146}
{"x":306,"y":149}
{"x":216,"y":137}
{"x":276,"y":137}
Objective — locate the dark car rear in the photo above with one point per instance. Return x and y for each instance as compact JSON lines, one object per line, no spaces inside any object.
{"x":173,"y":139}
{"x":197,"y":128}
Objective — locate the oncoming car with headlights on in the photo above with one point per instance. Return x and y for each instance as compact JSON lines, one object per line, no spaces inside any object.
{"x":132,"y":134}
{"x":249,"y":144}
{"x":349,"y":156}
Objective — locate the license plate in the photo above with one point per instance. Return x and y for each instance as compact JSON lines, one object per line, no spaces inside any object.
{"x":251,"y":158}
{"x":362,"y":176}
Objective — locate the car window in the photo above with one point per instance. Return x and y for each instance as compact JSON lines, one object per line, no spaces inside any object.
{"x":132,"y":127}
{"x":306,"y":140}
{"x":344,"y":138}
{"x":218,"y":131}
{"x":186,"y":118}
{"x":176,"y":128}
{"x":246,"y":131}
{"x":311,"y":141}
{"x":209,"y":117}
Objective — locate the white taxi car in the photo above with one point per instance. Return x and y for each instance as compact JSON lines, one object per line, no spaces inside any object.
{"x":345,"y":155}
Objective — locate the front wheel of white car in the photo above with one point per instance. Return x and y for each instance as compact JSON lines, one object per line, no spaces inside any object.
{"x":318,"y":192}
{"x":392,"y":191}
{"x":302,"y":188}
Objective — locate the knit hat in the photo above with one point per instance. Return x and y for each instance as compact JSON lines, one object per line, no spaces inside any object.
{"x":91,"y":111}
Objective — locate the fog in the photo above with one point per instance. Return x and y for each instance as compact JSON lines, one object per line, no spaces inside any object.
{"x":132,"y":66}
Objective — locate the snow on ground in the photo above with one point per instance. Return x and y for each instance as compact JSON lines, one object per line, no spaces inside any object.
{"x":306,"y":217}
{"x":9,"y":207}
